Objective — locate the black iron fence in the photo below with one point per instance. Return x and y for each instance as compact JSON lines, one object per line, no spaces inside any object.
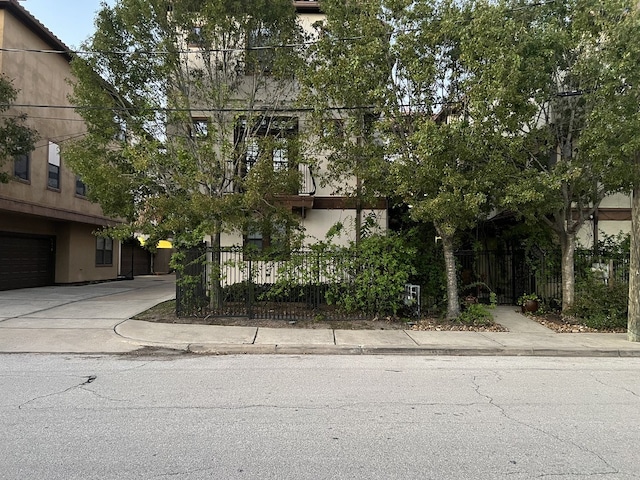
{"x":231,"y":282}
{"x":309,"y":284}
{"x":511,"y":274}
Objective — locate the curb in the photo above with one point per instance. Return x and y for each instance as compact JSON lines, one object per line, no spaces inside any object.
{"x":220,"y":349}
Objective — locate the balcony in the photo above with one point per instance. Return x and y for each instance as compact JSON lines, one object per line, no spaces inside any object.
{"x":305,"y":191}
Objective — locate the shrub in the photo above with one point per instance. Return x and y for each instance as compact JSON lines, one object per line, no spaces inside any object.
{"x":476,"y":314}
{"x":378,"y":272}
{"x":599,"y":305}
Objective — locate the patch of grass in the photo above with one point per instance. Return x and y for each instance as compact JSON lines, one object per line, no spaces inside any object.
{"x":165,"y":311}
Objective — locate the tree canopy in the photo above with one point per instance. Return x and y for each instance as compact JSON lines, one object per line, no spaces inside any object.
{"x":173,"y":94}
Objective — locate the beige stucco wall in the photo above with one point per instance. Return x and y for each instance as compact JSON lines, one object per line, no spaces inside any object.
{"x":317,"y":223}
{"x":42,"y":80}
{"x":618,"y":200}
{"x":76,"y":255}
{"x":611,"y":228}
{"x":30,"y":207}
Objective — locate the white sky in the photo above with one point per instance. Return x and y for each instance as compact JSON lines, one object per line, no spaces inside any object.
{"x":69,"y":20}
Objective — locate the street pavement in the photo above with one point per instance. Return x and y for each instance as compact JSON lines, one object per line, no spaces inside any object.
{"x":96,"y":319}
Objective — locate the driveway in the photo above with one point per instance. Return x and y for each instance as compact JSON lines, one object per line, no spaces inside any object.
{"x":62,"y":318}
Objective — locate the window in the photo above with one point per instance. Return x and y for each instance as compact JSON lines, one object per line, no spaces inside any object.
{"x":120,"y":128}
{"x":260,"y":55}
{"x":81,"y":187}
{"x":254,"y":241}
{"x":54,"y":166}
{"x":199,"y":128}
{"x":21,"y":164}
{"x":270,"y":241}
{"x":195,"y":37}
{"x":280,"y":156}
{"x":269,"y":138}
{"x":104,"y":251}
{"x":333,"y":128}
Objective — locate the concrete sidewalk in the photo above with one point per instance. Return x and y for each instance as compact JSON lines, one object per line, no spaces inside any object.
{"x":96,"y":319}
{"x":525,"y":337}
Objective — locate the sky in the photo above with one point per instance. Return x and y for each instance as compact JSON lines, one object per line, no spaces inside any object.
{"x":69,"y":20}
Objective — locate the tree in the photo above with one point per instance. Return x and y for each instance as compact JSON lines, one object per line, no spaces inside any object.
{"x":345,"y":83}
{"x":186,"y":104}
{"x":525,"y":75}
{"x":614,"y":122}
{"x":562,"y":181}
{"x":16,"y":138}
{"x":448,"y":160}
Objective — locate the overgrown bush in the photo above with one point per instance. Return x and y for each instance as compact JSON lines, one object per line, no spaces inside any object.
{"x":599,"y":305}
{"x":366,"y":278}
{"x":378,"y":272}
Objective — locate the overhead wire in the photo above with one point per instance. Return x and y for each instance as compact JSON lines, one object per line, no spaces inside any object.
{"x":198,"y":49}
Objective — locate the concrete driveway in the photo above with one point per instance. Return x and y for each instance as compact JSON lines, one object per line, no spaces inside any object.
{"x":77,"y":318}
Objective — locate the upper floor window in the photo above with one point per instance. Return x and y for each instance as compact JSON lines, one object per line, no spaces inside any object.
{"x":53,"y":180}
{"x":195,"y":37}
{"x":269,"y":139}
{"x":21,"y":165}
{"x":81,"y":187}
{"x":260,"y":55}
{"x":199,"y":128}
{"x":120,"y":128}
{"x":333,"y":128}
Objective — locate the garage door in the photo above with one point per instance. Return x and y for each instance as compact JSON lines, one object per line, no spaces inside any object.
{"x":26,"y":261}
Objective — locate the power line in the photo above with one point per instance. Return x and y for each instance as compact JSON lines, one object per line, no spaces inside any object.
{"x":192,"y":109}
{"x":37,"y":117}
{"x":192,"y":50}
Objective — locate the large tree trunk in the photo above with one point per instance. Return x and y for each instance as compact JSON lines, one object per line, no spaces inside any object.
{"x":453,"y":304}
{"x":633,"y":319}
{"x":568,"y":249}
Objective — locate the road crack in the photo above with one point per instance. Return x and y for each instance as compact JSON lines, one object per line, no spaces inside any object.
{"x":88,"y":379}
{"x":490,"y":400}
{"x":613,"y":386}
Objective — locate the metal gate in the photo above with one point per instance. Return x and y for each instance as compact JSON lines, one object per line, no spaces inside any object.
{"x":506,"y":273}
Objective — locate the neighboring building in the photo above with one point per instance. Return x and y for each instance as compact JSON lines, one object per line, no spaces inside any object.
{"x":47,"y":224}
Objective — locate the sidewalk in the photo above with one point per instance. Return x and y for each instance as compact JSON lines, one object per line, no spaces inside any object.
{"x":525,"y":337}
{"x":95,"y":319}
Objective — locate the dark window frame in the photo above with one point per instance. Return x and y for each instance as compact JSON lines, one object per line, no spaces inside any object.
{"x":53,"y":170}
{"x":104,"y":252}
{"x":196,"y":129}
{"x":281,"y":129}
{"x":260,"y":54}
{"x":81,"y":187}
{"x":18,"y":172}
{"x":272,"y":242}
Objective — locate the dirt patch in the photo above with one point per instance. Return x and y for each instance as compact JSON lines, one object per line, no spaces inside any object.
{"x":165,"y":313}
{"x":565,"y":324}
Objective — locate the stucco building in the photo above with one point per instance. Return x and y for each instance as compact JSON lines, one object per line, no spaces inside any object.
{"x":318,"y":204}
{"x":47,"y":224}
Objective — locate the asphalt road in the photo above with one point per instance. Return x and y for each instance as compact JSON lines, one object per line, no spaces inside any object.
{"x":318,"y":417}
